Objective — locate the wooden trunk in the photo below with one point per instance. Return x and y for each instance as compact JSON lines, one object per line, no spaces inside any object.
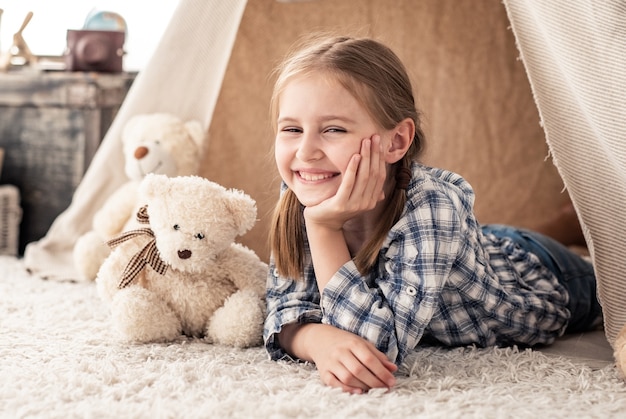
{"x":50,"y":127}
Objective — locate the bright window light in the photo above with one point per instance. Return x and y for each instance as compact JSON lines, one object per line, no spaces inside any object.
{"x":46,"y":32}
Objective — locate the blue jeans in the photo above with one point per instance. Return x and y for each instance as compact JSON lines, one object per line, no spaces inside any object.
{"x":573,"y":272}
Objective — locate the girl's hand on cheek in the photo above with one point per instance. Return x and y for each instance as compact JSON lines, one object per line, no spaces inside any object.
{"x":360,"y":190}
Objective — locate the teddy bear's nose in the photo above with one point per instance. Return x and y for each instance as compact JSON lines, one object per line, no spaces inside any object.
{"x":140,"y":152}
{"x":184,"y":254}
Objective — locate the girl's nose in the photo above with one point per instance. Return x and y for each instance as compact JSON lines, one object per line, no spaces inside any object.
{"x":308,"y":149}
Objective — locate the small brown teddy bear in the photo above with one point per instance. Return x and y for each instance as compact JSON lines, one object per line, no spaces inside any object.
{"x":185,"y":275}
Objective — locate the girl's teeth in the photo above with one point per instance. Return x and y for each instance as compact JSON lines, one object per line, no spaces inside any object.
{"x":313,"y":177}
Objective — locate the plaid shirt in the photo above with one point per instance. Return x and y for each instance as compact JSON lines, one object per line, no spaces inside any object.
{"x":437,"y":277}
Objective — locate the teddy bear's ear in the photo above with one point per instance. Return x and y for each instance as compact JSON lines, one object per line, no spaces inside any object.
{"x":243,"y":209}
{"x":196,"y":132}
{"x":153,"y":185}
{"x":129,"y":126}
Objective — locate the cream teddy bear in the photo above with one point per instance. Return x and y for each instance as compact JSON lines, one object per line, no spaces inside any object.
{"x":152,"y":143}
{"x":183,"y":273}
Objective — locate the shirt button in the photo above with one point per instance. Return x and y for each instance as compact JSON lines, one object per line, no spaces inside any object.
{"x":275,"y":272}
{"x":411,"y":291}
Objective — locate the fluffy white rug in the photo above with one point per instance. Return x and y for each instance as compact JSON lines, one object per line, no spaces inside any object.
{"x":59,"y":359}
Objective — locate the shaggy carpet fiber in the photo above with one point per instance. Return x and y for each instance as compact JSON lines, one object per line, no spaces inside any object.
{"x":60,"y":359}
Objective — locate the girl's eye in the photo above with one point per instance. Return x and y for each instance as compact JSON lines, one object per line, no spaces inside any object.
{"x":199,"y":236}
{"x":335,"y":130}
{"x":176,"y":227}
{"x":291,"y":130}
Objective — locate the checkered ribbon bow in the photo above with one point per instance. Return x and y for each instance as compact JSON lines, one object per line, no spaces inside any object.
{"x":148,"y":255}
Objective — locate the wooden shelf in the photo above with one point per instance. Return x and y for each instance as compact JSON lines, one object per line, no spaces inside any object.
{"x":51,"y":124}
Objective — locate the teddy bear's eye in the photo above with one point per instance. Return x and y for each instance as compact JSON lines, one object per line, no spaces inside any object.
{"x":199,"y":236}
{"x":176,"y":227}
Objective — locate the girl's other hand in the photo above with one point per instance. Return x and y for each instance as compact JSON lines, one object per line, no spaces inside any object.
{"x":349,"y":362}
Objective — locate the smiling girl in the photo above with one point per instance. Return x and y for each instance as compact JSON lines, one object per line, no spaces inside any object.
{"x":374,"y":252}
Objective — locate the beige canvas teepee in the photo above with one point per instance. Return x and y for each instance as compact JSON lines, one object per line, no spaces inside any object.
{"x":215,"y":58}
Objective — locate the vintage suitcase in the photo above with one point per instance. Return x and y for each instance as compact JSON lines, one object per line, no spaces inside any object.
{"x":51,"y":124}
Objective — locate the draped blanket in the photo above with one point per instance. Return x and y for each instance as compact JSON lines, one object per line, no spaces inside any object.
{"x":575,"y":56}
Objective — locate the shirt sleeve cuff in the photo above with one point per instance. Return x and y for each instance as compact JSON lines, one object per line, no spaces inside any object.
{"x":273,"y":348}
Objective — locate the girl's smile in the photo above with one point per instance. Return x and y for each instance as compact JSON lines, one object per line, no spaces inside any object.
{"x":314,"y":177}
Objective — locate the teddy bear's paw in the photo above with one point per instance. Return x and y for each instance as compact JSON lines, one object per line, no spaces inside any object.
{"x":89,"y":253}
{"x":109,"y":275}
{"x":239,"y":322}
{"x":620,"y":352}
{"x":139,"y":316}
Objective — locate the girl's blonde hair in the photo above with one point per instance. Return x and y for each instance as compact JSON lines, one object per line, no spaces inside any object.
{"x":376,"y":77}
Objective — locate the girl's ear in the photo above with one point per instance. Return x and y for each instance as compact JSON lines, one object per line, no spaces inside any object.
{"x":401,"y":139}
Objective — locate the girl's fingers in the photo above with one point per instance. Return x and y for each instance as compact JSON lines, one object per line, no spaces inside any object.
{"x":358,"y":370}
{"x":371,"y":174}
{"x":378,"y":170}
{"x":366,"y":154}
{"x":349,"y":178}
{"x":343,"y":378}
{"x":334,"y":382}
{"x":363,"y":171}
{"x":376,"y":373}
{"x":390,"y":366}
{"x":368,"y":378}
{"x":364,"y":367}
{"x":355,"y":375}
